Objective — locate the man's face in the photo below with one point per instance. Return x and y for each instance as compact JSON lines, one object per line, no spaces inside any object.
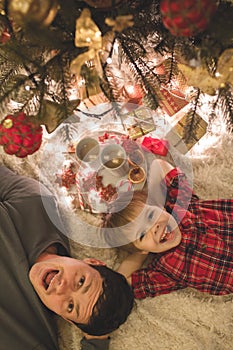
{"x":67,"y":286}
{"x":156,"y":230}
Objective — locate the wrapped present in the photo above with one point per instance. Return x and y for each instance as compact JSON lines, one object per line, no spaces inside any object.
{"x":156,"y":146}
{"x":181,"y":138}
{"x":138,"y":122}
{"x":171,"y":101}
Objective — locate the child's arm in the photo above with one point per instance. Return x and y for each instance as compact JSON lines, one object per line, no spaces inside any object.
{"x":158,"y":170}
{"x":132,"y":263}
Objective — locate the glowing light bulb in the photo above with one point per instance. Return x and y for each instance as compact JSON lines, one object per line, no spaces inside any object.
{"x":109,"y":60}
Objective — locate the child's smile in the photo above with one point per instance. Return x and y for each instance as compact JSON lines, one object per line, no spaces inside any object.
{"x":161,"y":233}
{"x":167,"y":236}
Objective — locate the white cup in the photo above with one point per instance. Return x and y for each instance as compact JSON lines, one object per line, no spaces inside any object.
{"x":87,"y":150}
{"x":114,"y":159}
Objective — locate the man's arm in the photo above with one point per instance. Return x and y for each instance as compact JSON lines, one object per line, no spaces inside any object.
{"x":132,"y":263}
{"x":13,"y":185}
{"x":89,"y":342}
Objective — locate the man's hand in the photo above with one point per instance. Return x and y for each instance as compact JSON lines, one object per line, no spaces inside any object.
{"x":88,"y":336}
{"x":91,"y":342}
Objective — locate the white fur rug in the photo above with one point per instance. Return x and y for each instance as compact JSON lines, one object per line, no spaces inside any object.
{"x":181,"y":320}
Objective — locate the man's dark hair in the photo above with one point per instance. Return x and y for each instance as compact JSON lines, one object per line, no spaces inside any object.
{"x":113,"y":306}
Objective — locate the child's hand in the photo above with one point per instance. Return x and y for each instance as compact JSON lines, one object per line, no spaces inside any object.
{"x":132,"y":263}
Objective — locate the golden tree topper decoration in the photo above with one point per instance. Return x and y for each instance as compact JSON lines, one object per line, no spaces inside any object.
{"x":41,"y":12}
{"x":87,"y":34}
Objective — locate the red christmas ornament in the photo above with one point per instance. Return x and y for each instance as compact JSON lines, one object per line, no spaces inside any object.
{"x":187,"y":17}
{"x":19,"y":135}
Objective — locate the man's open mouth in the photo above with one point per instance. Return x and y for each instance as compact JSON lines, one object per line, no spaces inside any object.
{"x":48,"y":277}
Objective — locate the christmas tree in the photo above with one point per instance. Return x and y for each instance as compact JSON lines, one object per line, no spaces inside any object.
{"x":56,"y":56}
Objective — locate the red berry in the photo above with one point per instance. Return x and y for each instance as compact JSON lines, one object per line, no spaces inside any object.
{"x":11,"y":149}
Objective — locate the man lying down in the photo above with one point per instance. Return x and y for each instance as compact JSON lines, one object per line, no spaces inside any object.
{"x":39,"y":278}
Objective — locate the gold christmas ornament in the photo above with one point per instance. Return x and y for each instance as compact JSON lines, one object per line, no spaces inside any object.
{"x":87,"y":34}
{"x":2,"y":8}
{"x":8,"y":123}
{"x":200,"y":78}
{"x":41,"y":12}
{"x":120,"y":23}
{"x":225,"y":67}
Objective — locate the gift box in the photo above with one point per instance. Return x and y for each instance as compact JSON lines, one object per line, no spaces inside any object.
{"x":138,"y":122}
{"x":156,"y":146}
{"x":171,"y":101}
{"x":178,"y":136}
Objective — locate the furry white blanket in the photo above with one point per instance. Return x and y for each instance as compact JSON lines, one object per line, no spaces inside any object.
{"x":181,"y":320}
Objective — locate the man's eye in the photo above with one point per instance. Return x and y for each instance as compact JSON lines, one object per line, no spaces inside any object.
{"x":70,"y":307}
{"x":142,"y":234}
{"x":81,"y":281}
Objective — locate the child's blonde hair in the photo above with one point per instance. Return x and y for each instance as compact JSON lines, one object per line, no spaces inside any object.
{"x":123,"y":211}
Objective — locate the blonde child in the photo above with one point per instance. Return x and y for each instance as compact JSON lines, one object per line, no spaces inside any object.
{"x":191,"y":239}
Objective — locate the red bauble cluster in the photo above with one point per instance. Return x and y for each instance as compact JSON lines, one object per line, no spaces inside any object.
{"x":187,"y":17}
{"x":19,"y":135}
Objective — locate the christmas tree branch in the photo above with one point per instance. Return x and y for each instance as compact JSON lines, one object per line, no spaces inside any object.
{"x":191,"y":121}
{"x":226,"y":102}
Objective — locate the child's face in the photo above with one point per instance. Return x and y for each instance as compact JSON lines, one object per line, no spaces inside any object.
{"x":157,"y":231}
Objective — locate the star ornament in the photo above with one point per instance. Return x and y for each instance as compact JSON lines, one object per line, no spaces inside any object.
{"x":52,"y":114}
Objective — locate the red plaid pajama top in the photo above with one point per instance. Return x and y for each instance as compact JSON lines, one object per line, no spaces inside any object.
{"x":204,"y":258}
